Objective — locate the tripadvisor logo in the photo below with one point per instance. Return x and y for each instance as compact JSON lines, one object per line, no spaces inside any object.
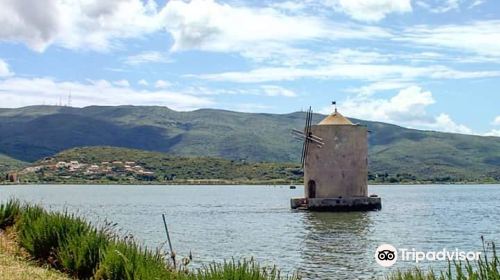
{"x":386,"y":255}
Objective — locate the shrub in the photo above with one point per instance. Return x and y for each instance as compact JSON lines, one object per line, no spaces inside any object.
{"x":80,"y":254}
{"x":72,"y":245}
{"x":9,"y":213}
{"x":241,"y":270}
{"x":41,"y":233}
{"x":126,"y":260}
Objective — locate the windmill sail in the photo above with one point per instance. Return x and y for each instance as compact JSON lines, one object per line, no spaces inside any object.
{"x":307,"y":137}
{"x":307,"y":132}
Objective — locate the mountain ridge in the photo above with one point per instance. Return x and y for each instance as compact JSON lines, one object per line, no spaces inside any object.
{"x":31,"y":133}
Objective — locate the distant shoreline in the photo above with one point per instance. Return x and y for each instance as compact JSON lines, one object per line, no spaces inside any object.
{"x":229,"y":184}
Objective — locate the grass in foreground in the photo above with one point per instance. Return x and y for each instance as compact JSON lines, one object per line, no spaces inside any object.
{"x":486,"y":268}
{"x":73,"y":246}
{"x":15,"y":266}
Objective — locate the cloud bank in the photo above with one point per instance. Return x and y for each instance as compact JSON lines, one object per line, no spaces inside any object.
{"x":18,"y":92}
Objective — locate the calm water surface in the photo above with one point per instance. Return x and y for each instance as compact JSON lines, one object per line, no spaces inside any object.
{"x":220,"y":222}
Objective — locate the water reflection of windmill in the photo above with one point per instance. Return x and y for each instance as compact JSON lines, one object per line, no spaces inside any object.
{"x":335,"y":162}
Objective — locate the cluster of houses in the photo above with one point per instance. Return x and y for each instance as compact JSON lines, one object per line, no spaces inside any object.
{"x":104,"y":167}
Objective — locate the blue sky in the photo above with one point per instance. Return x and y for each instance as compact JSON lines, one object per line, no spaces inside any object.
{"x":425,"y":64}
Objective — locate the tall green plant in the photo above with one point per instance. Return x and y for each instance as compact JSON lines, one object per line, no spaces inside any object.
{"x":76,"y":247}
{"x":485,"y":268}
{"x":241,"y":270}
{"x":41,"y":234}
{"x":126,"y":260}
{"x":9,"y":212}
{"x":80,"y":254}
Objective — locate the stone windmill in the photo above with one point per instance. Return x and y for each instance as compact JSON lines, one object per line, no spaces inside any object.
{"x":335,"y":162}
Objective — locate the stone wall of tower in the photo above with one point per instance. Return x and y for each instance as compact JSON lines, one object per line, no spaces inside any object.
{"x":340,"y":167}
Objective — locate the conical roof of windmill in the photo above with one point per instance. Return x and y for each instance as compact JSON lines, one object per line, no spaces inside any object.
{"x":335,"y":118}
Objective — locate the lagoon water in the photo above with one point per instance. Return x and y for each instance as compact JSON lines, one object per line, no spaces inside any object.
{"x":221,"y":222}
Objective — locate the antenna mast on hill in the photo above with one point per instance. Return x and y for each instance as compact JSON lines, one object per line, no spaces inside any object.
{"x":69,"y":99}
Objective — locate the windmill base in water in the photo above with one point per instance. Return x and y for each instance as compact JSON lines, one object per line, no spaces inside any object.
{"x":335,"y":163}
{"x":340,"y":204}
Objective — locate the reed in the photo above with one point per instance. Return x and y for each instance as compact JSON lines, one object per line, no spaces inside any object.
{"x":42,"y":235}
{"x":126,"y":260}
{"x":80,"y":254}
{"x":485,"y":268}
{"x":245,"y":269}
{"x":8,"y":213}
{"x":74,"y":246}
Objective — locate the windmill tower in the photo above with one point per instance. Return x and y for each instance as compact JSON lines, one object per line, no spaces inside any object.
{"x":335,"y":162}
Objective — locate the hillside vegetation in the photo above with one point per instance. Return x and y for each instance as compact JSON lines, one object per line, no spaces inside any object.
{"x":112,"y":165}
{"x":8,"y":163}
{"x":31,"y":133}
{"x":120,"y":165}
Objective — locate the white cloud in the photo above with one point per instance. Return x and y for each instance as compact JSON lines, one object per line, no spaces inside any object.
{"x":252,"y":90}
{"x":445,"y":123}
{"x":5,"y":69}
{"x":380,"y":86}
{"x":143,"y":82}
{"x":271,"y":90}
{"x":162,"y":84}
{"x":480,"y":37}
{"x":366,"y":72}
{"x":250,"y":107}
{"x":208,"y":25}
{"x":17,"y":92}
{"x":147,"y":57}
{"x":283,"y":55}
{"x":439,"y":6}
{"x":198,"y":24}
{"x":370,"y":10}
{"x":121,"y":83}
{"x":476,"y":3}
{"x":408,"y":108}
{"x":31,"y":22}
{"x":76,"y":24}
{"x":493,"y":132}
{"x":444,"y":6}
{"x":496,"y":121}
{"x":291,"y":6}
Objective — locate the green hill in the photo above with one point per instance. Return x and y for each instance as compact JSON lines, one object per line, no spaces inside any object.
{"x":121,"y":165}
{"x":31,"y":133}
{"x":8,"y":163}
